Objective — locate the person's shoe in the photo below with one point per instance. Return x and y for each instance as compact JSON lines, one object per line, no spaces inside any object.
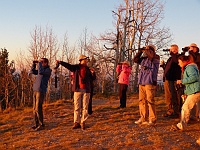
{"x":40,"y":127}
{"x":198,"y":141}
{"x":179,"y":126}
{"x":139,"y":121}
{"x":145,"y":123}
{"x":151,"y":123}
{"x":34,"y":127}
{"x":83,"y":126}
{"x":90,"y":112}
{"x":76,"y":126}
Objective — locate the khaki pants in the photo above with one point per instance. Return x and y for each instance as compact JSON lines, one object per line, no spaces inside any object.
{"x":171,"y":97}
{"x":190,"y":102}
{"x":147,"y":103}
{"x":81,"y":100}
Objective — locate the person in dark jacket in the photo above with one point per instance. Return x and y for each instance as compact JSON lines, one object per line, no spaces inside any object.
{"x":172,"y":73}
{"x":39,"y":90}
{"x":194,"y":51}
{"x":90,"y":111}
{"x":82,"y":88}
{"x":147,"y":80}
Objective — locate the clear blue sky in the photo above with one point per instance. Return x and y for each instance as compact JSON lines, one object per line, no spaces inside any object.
{"x":18,"y":18}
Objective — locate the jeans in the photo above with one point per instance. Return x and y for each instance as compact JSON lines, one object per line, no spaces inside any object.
{"x":122,"y":94}
{"x":38,"y":99}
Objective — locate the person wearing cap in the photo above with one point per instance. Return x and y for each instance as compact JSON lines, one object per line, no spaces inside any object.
{"x":82,"y":87}
{"x":147,"y":79}
{"x":194,"y":51}
{"x":172,"y":73}
{"x":124,"y":70}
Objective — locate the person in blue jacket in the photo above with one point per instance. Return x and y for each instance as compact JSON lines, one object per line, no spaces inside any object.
{"x":40,"y":85}
{"x":191,"y":80}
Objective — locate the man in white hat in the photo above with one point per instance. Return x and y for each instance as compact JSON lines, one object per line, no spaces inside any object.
{"x":82,"y":87}
{"x":194,"y":51}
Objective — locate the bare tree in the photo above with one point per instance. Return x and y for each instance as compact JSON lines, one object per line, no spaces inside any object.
{"x":43,"y":44}
{"x":137,"y":24}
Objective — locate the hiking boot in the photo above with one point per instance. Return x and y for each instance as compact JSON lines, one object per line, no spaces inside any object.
{"x":40,"y":127}
{"x":83,"y":126}
{"x":76,"y":126}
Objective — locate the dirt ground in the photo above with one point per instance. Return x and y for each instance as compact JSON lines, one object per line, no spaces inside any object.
{"x":107,"y":128}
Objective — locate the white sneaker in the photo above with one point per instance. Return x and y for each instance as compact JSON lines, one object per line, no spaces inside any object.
{"x":180,"y":126}
{"x":139,"y":121}
{"x":198,"y":141}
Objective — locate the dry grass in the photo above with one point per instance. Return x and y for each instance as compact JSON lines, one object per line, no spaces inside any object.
{"x":107,"y":128}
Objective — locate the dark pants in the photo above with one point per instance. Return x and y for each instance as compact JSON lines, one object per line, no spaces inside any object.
{"x":38,"y":99}
{"x":122,"y":94}
{"x":90,"y":103}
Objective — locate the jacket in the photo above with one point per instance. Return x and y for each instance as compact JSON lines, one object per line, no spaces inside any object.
{"x":172,"y":71}
{"x":124,"y":73}
{"x":196,"y":57}
{"x":149,"y":65}
{"x":76,"y":70}
{"x":191,"y":79}
{"x":42,"y":78}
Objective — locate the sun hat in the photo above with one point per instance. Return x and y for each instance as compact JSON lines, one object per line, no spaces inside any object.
{"x":193,"y":45}
{"x":82,"y":57}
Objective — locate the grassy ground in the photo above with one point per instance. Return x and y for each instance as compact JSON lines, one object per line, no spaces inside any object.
{"x":107,"y":128}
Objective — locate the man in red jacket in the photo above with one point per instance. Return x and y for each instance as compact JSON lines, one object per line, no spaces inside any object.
{"x":82,"y":88}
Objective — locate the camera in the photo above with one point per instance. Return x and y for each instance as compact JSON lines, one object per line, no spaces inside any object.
{"x":185,"y":49}
{"x":166,"y":50}
{"x":35,"y":61}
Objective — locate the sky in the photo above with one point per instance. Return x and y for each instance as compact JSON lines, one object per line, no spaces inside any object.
{"x":18,"y":18}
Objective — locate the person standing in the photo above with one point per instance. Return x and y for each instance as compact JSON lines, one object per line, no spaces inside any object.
{"x":191,"y":80}
{"x":124,"y":70}
{"x":82,"y":88}
{"x":172,"y":73}
{"x":90,"y":111}
{"x":194,"y":51}
{"x":147,"y":80}
{"x":39,"y":90}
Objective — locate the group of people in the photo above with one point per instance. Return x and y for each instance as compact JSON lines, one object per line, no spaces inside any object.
{"x":181,"y":84}
{"x":181,"y":81}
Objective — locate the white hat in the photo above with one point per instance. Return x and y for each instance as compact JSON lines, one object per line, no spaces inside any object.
{"x":82,"y":57}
